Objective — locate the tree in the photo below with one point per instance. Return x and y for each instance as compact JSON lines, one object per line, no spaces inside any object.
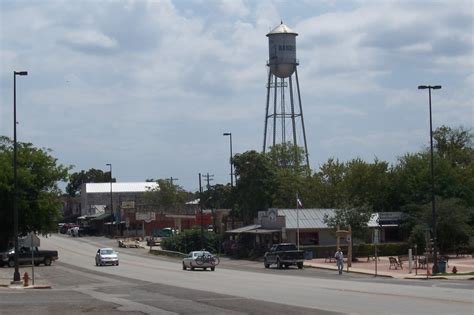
{"x":91,"y":176}
{"x":255,"y":184}
{"x":368,"y":185}
{"x":167,"y":196}
{"x":357,"y":218}
{"x":217,"y":197}
{"x":289,"y":174}
{"x":288,"y":156}
{"x":452,"y":224}
{"x":38,"y":195}
{"x":454,"y":145}
{"x":330,"y":181}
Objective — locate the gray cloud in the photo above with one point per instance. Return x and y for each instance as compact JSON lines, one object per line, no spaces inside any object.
{"x":151,"y":85}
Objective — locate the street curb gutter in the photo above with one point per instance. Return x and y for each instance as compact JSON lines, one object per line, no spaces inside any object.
{"x":350,"y":271}
{"x":39,"y":287}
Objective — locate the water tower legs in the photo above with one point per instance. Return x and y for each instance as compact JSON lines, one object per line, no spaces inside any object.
{"x":283,"y":114}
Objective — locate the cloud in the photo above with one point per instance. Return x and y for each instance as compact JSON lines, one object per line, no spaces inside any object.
{"x":89,"y":40}
{"x":153,"y":84}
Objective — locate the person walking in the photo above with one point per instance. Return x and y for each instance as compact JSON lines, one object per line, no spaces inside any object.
{"x":339,"y":260}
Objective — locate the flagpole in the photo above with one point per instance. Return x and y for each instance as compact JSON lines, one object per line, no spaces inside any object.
{"x":297,"y":222}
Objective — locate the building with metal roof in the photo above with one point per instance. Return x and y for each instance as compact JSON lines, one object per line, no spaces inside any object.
{"x":123,"y":195}
{"x":283,"y":225}
{"x":119,"y":187}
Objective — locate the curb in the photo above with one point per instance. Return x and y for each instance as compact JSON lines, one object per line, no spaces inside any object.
{"x":38,"y":287}
{"x":350,"y":271}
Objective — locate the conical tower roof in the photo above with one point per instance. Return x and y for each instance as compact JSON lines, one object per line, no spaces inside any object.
{"x":282,"y":29}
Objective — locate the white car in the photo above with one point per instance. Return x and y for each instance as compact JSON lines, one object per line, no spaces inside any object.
{"x":200,"y":259}
{"x":106,"y":256}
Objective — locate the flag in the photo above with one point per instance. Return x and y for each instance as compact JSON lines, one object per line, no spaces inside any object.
{"x":299,"y":204}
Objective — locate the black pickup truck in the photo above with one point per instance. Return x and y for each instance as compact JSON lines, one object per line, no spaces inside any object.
{"x":284,"y":255}
{"x":25,"y":256}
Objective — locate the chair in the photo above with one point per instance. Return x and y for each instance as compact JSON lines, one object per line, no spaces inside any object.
{"x":394,"y":263}
{"x":421,"y":262}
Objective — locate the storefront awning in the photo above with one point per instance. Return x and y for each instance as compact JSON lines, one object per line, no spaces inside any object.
{"x":252,"y":229}
{"x":102,"y":217}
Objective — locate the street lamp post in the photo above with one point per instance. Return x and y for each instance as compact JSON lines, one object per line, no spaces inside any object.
{"x":16,"y":274}
{"x":231,"y":164}
{"x":433,"y":209}
{"x":111,"y":196}
{"x":231,"y":173}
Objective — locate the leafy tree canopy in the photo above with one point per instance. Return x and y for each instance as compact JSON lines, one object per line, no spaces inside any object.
{"x":255,"y":184}
{"x":167,"y":196}
{"x":38,"y":195}
{"x":91,"y":176}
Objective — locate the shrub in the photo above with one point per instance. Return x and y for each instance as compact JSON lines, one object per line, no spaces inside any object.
{"x":189,"y":240}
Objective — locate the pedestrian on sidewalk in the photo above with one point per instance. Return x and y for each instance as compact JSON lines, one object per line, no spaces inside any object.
{"x":339,"y":260}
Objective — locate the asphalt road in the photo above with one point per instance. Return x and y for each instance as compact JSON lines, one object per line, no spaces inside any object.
{"x":151,"y":285}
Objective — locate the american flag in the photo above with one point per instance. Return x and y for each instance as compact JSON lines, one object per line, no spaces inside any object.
{"x":299,"y":204}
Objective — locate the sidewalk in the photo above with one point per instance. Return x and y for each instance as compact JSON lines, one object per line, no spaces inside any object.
{"x":463,"y":265}
{"x":6,"y":277}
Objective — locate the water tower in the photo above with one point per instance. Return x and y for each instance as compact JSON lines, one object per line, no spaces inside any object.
{"x":284,"y":121}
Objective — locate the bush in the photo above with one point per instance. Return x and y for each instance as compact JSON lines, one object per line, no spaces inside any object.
{"x":189,"y":240}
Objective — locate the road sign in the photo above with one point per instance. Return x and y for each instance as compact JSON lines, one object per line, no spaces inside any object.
{"x":376,"y":236}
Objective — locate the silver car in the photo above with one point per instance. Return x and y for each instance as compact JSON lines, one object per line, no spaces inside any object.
{"x":106,"y":256}
{"x":200,"y":259}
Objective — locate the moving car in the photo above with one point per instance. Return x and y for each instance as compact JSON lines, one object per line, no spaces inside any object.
{"x":200,"y":259}
{"x":106,"y":256}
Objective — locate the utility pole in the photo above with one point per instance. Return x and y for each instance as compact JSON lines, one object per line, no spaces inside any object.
{"x":171,"y":179}
{"x":208,"y":179}
{"x":200,"y":207}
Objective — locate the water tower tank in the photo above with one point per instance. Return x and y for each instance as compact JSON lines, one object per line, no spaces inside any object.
{"x":282,"y":51}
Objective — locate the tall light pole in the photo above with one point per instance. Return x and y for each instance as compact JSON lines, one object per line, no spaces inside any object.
{"x":16,"y":274}
{"x":231,"y":164}
{"x":111,"y":196}
{"x":229,"y":134}
{"x":433,"y":209}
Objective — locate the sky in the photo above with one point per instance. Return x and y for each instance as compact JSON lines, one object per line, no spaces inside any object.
{"x":151,"y":86}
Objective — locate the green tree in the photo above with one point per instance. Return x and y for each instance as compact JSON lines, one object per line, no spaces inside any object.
{"x":357,"y":218}
{"x":189,"y":240}
{"x":454,"y":145}
{"x":91,"y":176}
{"x":217,"y":197}
{"x":288,"y":156}
{"x":167,"y":196}
{"x":255,"y":184}
{"x":329,"y":184}
{"x":38,"y":195}
{"x":289,"y":174}
{"x":452,"y":223}
{"x":368,"y":185}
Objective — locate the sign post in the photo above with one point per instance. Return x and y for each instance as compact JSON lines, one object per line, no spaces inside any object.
{"x":376,"y":241}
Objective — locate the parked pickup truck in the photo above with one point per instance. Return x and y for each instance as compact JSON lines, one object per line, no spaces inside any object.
{"x":25,"y":256}
{"x":284,"y":255}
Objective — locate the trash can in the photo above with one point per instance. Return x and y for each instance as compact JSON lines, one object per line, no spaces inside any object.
{"x":308,"y":255}
{"x":442,"y":266}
